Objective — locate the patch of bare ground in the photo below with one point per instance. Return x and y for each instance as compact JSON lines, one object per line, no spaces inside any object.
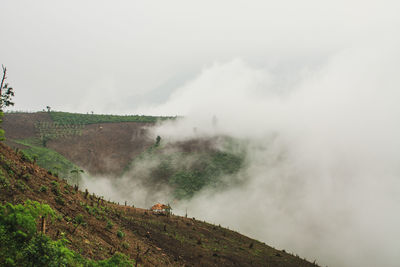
{"x":105,"y":148}
{"x":22,"y":125}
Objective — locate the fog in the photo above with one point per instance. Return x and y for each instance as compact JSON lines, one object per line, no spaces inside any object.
{"x":112,"y":56}
{"x":327,"y":185}
{"x":323,"y":154}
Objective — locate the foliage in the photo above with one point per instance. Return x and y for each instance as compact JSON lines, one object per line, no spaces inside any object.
{"x":47,"y":158}
{"x":20,"y":219}
{"x":55,"y":188}
{"x":208,"y":170}
{"x":59,"y":200}
{"x":6,"y":94}
{"x":4,"y":182}
{"x":120,"y":234}
{"x":190,"y":172}
{"x":26,"y":157}
{"x":21,"y":245}
{"x":21,"y":185}
{"x":65,"y":118}
{"x":43,"y":189}
{"x":109,"y":225}
{"x":158,"y":140}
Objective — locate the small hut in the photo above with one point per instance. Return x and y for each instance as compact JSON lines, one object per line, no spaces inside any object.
{"x":161,"y":209}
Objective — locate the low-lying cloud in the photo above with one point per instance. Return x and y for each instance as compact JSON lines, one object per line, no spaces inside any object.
{"x":323,"y":179}
{"x":323,"y":154}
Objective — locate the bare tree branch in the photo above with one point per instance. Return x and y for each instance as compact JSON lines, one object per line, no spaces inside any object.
{"x":3,"y":79}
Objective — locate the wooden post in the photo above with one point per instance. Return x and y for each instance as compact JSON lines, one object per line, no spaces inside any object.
{"x":43,"y":226}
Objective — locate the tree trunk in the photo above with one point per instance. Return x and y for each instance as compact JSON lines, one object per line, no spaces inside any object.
{"x":43,"y":225}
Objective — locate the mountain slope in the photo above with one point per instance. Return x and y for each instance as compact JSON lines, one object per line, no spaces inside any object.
{"x":150,"y":239}
{"x":99,"y":148}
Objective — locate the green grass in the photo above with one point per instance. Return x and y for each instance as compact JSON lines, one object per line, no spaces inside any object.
{"x":83,"y":119}
{"x":47,"y":158}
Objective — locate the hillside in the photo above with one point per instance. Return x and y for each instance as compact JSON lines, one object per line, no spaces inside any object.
{"x":104,"y":147}
{"x":97,"y":229}
{"x":115,"y":145}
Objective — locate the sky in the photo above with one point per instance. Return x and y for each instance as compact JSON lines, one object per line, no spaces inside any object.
{"x":125,"y":56}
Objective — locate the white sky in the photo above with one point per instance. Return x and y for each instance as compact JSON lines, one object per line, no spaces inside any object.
{"x":118,"y":56}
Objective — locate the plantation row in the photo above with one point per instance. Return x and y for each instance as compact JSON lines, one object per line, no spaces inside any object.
{"x":82,"y":119}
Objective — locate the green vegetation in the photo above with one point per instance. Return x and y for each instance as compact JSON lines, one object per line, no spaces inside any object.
{"x":120,"y":234}
{"x":55,"y":188}
{"x":79,"y":220}
{"x":65,"y":118}
{"x":47,"y":158}
{"x":21,"y":245}
{"x":27,"y":157}
{"x":208,"y":171}
{"x":109,"y":225}
{"x":188,"y":173}
{"x":6,"y":94}
{"x":4,"y":182}
{"x":53,"y":130}
{"x":21,"y":185}
{"x":43,"y":189}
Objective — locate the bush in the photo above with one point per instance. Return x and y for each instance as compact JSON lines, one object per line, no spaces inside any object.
{"x":21,"y":185}
{"x":109,"y":225}
{"x":21,"y":245}
{"x":125,"y":245}
{"x":120,"y":234}
{"x":4,"y":182}
{"x":26,"y":176}
{"x":43,"y":189}
{"x":55,"y":188}
{"x":26,"y":157}
{"x":59,"y":200}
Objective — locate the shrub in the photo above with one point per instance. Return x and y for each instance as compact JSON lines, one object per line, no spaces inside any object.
{"x":21,"y":185}
{"x":21,"y":245}
{"x":25,"y":157}
{"x":4,"y":182}
{"x":125,"y":245}
{"x":26,"y":176}
{"x":55,"y":188}
{"x":109,"y":225}
{"x":120,"y":234}
{"x":43,"y":189}
{"x":59,"y":200}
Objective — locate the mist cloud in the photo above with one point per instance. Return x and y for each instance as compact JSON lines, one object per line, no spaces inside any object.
{"x":323,"y":179}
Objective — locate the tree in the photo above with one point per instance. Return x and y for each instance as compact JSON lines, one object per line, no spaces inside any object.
{"x":6,"y":94}
{"x":76,"y":172}
{"x":158,"y":140}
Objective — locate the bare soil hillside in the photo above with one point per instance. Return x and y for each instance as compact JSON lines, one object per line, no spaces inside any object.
{"x":150,"y":239}
{"x":105,"y":148}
